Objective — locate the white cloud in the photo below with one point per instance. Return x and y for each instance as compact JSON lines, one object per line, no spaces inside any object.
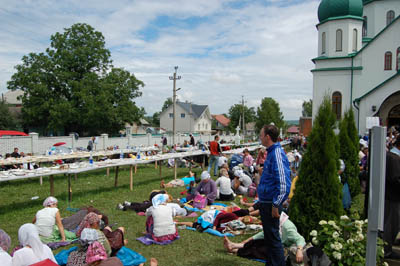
{"x":256,"y":50}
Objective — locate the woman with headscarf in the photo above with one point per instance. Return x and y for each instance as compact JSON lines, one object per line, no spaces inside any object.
{"x":45,"y":221}
{"x":159,"y":223}
{"x":5,"y":242}
{"x":206,"y":187}
{"x":111,"y":240}
{"x":33,"y":250}
{"x":91,"y":251}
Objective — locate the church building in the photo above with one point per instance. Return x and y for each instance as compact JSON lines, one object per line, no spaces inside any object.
{"x":358,"y":59}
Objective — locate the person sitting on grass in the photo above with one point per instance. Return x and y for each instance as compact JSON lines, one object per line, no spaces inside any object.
{"x":241,"y":182}
{"x":45,"y":221}
{"x":224,"y":190}
{"x":5,"y":242}
{"x":184,"y":181}
{"x":111,"y":240}
{"x":33,"y":250}
{"x":254,"y":247}
{"x":206,"y":187}
{"x":160,"y":224}
{"x":84,"y":256}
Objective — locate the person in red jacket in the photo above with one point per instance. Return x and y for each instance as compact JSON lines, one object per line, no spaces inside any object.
{"x":215,"y":152}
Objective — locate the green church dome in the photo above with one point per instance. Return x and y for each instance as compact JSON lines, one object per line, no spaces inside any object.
{"x":338,"y":8}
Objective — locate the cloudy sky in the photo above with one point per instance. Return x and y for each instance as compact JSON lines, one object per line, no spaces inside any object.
{"x":224,"y":48}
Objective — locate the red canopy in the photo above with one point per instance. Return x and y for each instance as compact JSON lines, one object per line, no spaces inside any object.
{"x":12,"y":133}
{"x":60,"y":143}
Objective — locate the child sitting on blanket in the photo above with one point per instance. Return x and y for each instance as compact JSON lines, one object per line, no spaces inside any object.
{"x":159,"y":223}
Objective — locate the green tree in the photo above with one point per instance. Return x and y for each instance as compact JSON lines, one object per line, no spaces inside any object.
{"x":348,"y":140}
{"x":307,"y":108}
{"x":318,"y":193}
{"x":73,"y":86}
{"x":236,"y":113}
{"x":7,"y":120}
{"x":269,"y":112}
{"x":167,"y":103}
{"x":156,"y":119}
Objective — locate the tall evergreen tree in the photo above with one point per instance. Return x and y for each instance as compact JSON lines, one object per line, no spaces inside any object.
{"x":318,"y":194}
{"x":348,"y":140}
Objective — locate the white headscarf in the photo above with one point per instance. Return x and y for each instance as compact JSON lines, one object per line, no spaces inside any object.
{"x":205,"y":175}
{"x":89,"y":235}
{"x":28,"y":235}
{"x":50,"y":201}
{"x":159,"y":199}
{"x":238,"y":173}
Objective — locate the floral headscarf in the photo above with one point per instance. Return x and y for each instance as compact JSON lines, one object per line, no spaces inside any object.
{"x":5,"y":240}
{"x":50,"y":201}
{"x":90,"y":219}
{"x":159,"y":199}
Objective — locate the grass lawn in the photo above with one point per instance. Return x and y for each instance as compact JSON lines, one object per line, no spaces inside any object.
{"x":96,"y":189}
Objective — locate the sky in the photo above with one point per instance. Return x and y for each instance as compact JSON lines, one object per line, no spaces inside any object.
{"x":223,"y":48}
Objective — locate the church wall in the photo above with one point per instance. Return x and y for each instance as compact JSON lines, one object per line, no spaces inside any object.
{"x":376,"y":98}
{"x":327,"y":82}
{"x":372,"y":59}
{"x":376,"y":13}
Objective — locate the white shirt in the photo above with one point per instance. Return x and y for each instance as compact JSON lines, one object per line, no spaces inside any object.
{"x":45,"y":221}
{"x":245,"y":180}
{"x":222,"y":160}
{"x":224,"y":184}
{"x":25,"y":256}
{"x":5,"y":258}
{"x":179,"y":211}
{"x":395,"y":150}
{"x":162,"y":219}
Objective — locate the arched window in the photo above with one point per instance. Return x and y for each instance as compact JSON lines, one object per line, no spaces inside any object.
{"x":365,"y":27}
{"x":388,"y":61}
{"x":337,"y":104}
{"x":323,"y":45}
{"x":339,"y":37}
{"x":389,"y":17}
{"x":355,"y":39}
{"x":398,"y":59}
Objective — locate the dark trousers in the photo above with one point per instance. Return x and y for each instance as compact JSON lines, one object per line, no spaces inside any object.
{"x":275,"y":255}
{"x":391,"y":224}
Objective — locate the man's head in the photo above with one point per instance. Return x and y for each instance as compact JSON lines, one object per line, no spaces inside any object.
{"x":216,"y":138}
{"x":269,"y":135}
{"x":246,"y":151}
{"x":16,"y":150}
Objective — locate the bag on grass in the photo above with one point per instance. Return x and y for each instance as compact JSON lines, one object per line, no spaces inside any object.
{"x":199,"y":202}
{"x":252,"y":190}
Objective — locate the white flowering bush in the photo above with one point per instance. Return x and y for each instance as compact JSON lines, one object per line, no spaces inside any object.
{"x":344,"y":241}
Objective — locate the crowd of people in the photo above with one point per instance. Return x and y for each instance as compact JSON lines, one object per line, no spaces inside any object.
{"x":268,"y":177}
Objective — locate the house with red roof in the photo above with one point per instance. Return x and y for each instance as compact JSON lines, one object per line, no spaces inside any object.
{"x":220,"y":123}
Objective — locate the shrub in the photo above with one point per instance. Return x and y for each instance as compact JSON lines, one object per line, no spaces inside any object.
{"x":345,"y":241}
{"x":318,"y":193}
{"x":349,"y":147}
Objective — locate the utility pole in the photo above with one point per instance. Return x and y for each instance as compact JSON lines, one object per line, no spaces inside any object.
{"x":174,"y":78}
{"x":244,"y":125}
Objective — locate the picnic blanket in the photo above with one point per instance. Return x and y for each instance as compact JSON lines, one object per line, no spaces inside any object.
{"x":148,"y":240}
{"x":211,"y":232}
{"x":127,"y":256}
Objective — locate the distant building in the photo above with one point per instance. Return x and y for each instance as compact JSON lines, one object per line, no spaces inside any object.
{"x":221,"y":123}
{"x":251,"y":129}
{"x":305,"y":126}
{"x":293,"y":130}
{"x":10,"y":98}
{"x":189,"y":118}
